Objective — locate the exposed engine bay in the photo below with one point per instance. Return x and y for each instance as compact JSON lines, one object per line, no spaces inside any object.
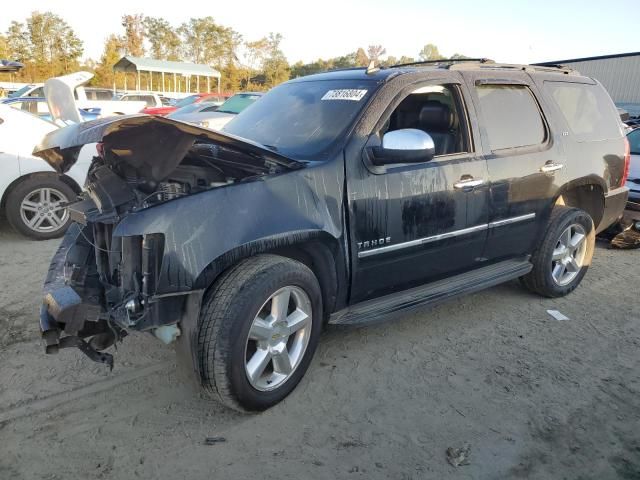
{"x":102,"y":282}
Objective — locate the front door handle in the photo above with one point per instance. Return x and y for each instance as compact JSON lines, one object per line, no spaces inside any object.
{"x":551,"y":167}
{"x":467,"y":182}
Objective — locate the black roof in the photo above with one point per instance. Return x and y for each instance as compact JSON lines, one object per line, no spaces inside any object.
{"x":586,"y":59}
{"x":350,"y":74}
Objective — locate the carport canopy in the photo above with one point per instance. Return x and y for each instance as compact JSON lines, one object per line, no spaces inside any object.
{"x":130,"y":64}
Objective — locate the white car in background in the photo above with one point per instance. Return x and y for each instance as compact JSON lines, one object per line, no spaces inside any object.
{"x":214,"y":117}
{"x":32,"y":194}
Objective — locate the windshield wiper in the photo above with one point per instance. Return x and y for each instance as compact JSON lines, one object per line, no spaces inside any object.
{"x":226,"y":111}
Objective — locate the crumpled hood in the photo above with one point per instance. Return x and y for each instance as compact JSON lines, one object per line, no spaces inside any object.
{"x":153,"y":145}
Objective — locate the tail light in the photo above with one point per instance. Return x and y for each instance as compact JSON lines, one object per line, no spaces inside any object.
{"x":627,"y":162}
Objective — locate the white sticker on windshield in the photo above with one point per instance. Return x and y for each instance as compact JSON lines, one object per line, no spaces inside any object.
{"x":346,"y":94}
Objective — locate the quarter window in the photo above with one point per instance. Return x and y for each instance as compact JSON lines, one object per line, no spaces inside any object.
{"x":511,"y":116}
{"x":589,"y":112}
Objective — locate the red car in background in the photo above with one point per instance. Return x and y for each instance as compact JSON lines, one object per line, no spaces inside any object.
{"x":197,"y":98}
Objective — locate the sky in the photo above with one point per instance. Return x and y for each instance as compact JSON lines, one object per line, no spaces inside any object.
{"x":515,"y":31}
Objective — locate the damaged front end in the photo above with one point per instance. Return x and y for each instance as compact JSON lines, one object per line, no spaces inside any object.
{"x":107,"y":277}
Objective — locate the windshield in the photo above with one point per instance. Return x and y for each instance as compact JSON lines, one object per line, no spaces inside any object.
{"x":303,"y":120}
{"x":186,"y":101}
{"x":22,"y":91}
{"x":238,"y":103}
{"x":194,"y":107}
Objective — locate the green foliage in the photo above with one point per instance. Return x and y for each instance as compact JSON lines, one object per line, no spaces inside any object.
{"x":163,"y":38}
{"x":430,"y":52}
{"x":361,"y":58}
{"x":267,"y":65}
{"x":4,"y":47}
{"x":207,"y":42}
{"x":374,"y":52}
{"x":49,"y":47}
{"x":104,"y":74}
{"x":45,"y":43}
{"x":133,"y":40}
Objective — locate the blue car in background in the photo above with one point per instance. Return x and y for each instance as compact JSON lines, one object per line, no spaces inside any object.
{"x":38,"y":106}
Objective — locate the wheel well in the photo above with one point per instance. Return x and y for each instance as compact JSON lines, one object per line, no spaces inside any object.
{"x":589,"y":197}
{"x":321,"y":261}
{"x":318,"y":254}
{"x":64,"y":178}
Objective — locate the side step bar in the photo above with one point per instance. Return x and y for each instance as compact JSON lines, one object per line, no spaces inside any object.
{"x":379,"y":309}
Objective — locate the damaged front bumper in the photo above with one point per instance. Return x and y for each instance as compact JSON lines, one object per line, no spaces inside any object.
{"x":95,"y":292}
{"x":69,"y":315}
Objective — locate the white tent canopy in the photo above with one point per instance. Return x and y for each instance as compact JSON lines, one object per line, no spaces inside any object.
{"x":129,"y":64}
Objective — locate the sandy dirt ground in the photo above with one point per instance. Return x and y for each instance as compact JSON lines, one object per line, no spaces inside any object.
{"x":530,"y":396}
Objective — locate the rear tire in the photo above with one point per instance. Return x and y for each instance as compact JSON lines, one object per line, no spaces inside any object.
{"x":252,"y":348}
{"x":564,"y":254}
{"x":32,"y":207}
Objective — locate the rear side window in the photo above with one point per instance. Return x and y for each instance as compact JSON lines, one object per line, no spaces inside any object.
{"x":511,"y":116}
{"x":587,"y":109}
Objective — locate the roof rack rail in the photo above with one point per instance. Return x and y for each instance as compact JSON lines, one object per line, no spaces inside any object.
{"x":515,"y":66}
{"x":444,"y":61}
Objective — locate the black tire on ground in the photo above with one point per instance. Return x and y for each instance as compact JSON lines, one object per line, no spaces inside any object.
{"x":23,"y":189}
{"x":226,"y":316}
{"x":540,"y":280}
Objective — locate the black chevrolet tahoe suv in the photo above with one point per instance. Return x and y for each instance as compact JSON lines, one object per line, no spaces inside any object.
{"x":343,"y":198}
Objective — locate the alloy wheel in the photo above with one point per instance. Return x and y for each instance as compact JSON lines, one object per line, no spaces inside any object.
{"x":43,"y":210}
{"x":278,"y":338}
{"x":568,"y":256}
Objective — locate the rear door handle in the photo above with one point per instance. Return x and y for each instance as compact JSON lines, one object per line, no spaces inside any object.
{"x":467,"y":182}
{"x":551,"y":167}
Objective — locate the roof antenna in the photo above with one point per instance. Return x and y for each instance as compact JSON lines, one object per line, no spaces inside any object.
{"x":371,"y":69}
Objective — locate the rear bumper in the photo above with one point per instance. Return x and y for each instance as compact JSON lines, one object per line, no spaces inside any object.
{"x":615,"y":202}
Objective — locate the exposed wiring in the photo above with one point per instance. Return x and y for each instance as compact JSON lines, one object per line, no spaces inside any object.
{"x":95,"y":246}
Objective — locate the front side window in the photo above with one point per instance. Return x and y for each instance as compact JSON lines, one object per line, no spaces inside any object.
{"x":589,"y":112}
{"x":511,"y":116}
{"x":436,"y":110}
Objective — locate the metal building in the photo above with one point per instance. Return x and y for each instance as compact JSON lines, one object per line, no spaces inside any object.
{"x":620,"y":75}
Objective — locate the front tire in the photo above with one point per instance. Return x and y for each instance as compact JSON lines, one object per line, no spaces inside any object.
{"x":34,"y":208}
{"x":258,"y":329}
{"x":564,"y":254}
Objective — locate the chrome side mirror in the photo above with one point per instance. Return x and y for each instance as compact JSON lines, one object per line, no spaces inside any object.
{"x":407,"y":145}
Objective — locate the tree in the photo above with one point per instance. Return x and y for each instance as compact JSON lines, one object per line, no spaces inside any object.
{"x":374,"y":52}
{"x":133,"y":40}
{"x":275,"y":66}
{"x":163,"y":38}
{"x":430,"y":52}
{"x":266,"y":61}
{"x":458,"y":56}
{"x":4,"y":48}
{"x":104,"y":75}
{"x":209,"y":43}
{"x":256,"y":54}
{"x":361,"y":58}
{"x":18,"y":42}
